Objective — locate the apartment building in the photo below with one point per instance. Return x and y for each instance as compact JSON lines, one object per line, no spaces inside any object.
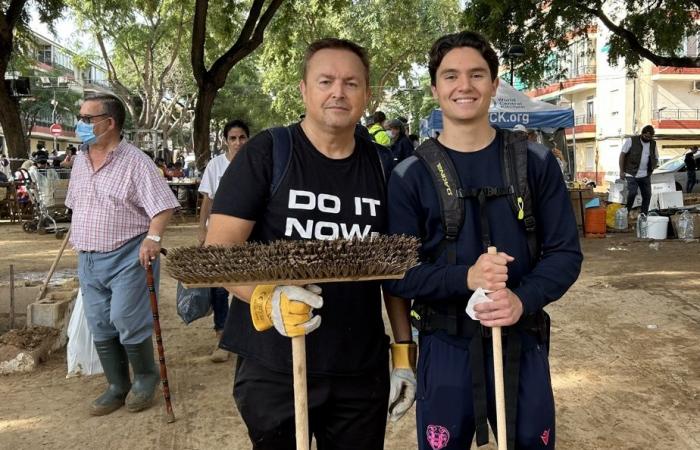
{"x":55,"y":70}
{"x":613,"y":102}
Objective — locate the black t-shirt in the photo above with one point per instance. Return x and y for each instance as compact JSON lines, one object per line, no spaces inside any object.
{"x":318,"y":198}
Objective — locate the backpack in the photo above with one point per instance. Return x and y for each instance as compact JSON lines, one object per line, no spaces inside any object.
{"x":513,"y":155}
{"x":282,"y":156}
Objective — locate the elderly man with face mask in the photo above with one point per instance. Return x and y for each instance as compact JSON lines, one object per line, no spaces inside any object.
{"x":121,"y":205}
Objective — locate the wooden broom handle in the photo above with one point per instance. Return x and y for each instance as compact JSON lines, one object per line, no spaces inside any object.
{"x":498,"y":380}
{"x":44,"y":286}
{"x":301,"y":406}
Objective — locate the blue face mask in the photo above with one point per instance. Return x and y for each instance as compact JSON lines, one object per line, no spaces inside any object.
{"x":86,"y":132}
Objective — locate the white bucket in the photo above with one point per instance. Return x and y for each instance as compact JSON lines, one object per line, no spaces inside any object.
{"x":657,"y":227}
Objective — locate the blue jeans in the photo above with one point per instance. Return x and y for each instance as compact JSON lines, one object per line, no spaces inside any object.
{"x":219,"y":303}
{"x":115,"y":295}
{"x":644,"y":186}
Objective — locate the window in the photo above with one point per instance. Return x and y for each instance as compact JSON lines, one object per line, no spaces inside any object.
{"x":44,"y":55}
{"x":590,"y":158}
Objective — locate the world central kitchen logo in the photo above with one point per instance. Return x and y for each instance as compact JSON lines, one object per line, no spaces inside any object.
{"x":511,"y":117}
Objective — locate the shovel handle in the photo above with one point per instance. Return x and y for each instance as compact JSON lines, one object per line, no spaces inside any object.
{"x":498,"y":380}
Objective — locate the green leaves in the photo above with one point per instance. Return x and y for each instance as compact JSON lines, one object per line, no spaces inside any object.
{"x":652,"y":29}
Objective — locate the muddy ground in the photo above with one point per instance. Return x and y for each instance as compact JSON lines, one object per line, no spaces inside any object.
{"x":625,"y":362}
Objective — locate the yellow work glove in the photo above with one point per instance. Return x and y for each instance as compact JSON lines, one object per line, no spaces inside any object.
{"x":402,"y":392}
{"x":287,"y":308}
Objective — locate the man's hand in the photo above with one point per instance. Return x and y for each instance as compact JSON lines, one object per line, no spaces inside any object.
{"x":505,"y":309}
{"x":149,"y":252}
{"x":402,"y":393}
{"x":287,"y":308}
{"x":490,"y":272}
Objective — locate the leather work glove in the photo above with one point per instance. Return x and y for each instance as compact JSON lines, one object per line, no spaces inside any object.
{"x":287,"y":308}
{"x":402,"y":393}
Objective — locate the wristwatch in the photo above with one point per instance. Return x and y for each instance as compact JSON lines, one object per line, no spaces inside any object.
{"x":154,"y":238}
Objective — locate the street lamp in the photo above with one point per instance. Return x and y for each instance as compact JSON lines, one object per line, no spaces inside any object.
{"x":514,"y":52}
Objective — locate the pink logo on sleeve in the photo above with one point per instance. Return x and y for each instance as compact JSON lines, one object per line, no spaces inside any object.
{"x":438,"y":436}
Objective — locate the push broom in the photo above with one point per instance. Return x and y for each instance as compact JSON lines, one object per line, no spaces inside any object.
{"x":295,"y":263}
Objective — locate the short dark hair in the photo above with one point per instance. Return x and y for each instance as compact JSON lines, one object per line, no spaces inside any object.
{"x":335,"y":44}
{"x":457,"y":40}
{"x":378,"y":117}
{"x":648,"y":129}
{"x":236,"y":123}
{"x":113,"y":107}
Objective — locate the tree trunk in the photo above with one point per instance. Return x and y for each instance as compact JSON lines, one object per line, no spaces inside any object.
{"x":202,"y":116}
{"x":16,"y":142}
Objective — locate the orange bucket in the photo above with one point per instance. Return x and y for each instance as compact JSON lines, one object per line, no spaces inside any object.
{"x":595,"y":223}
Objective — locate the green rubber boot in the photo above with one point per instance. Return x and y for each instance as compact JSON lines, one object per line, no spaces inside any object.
{"x":145,"y":375}
{"x":116,"y":369}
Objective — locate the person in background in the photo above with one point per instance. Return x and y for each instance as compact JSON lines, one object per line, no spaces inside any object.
{"x":691,"y":166}
{"x":375,"y":126}
{"x":5,"y":166}
{"x":160,"y":164}
{"x":414,"y":140}
{"x":401,"y":146}
{"x":638,"y":159}
{"x":121,"y":206}
{"x":67,"y":162}
{"x":236,"y":133}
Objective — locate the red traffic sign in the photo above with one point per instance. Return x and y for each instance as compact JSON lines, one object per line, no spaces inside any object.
{"x":56,"y":129}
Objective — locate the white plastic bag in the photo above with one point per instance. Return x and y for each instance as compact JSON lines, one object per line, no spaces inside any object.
{"x":81,"y":354}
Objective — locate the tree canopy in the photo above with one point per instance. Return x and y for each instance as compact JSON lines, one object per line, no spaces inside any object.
{"x":651,"y":29}
{"x":14,"y":19}
{"x":396,"y":35}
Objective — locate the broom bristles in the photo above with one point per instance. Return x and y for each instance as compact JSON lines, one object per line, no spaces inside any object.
{"x":381,"y":256}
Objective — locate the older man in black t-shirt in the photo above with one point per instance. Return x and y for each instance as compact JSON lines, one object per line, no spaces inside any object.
{"x":333,"y":188}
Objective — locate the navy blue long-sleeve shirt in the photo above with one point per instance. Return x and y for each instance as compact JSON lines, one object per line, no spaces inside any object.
{"x":414,"y":209}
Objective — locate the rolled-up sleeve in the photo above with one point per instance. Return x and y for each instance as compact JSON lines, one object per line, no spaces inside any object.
{"x":153,"y":193}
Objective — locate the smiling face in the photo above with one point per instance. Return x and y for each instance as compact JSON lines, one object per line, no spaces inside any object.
{"x":463,"y":86}
{"x":335,"y":90}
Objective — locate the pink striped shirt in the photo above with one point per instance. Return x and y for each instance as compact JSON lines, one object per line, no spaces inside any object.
{"x":116,"y":203}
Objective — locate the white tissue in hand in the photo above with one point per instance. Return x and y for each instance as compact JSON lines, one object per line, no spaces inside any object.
{"x":479,"y":296}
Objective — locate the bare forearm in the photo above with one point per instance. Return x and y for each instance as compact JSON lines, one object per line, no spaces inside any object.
{"x":160,"y":221}
{"x":622,"y":163}
{"x":398,"y":311}
{"x":204,"y":211}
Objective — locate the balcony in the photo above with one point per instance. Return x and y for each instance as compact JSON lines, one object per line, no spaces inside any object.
{"x":675,"y":73}
{"x":584,"y":124}
{"x":676,"y":121}
{"x":578,"y":79}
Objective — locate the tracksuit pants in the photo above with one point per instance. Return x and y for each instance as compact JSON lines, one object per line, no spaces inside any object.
{"x":444,"y":398}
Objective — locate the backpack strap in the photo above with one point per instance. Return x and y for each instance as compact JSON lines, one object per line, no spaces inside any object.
{"x":449,"y":190}
{"x":281,"y":156}
{"x":514,"y":150}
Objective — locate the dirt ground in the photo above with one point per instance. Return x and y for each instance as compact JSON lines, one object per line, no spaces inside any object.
{"x":625,"y":362}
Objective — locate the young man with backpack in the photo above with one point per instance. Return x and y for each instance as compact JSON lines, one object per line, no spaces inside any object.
{"x":475,"y":187}
{"x":317,"y":179}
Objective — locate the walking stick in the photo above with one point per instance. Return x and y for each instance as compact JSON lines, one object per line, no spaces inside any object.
{"x":170,"y":416}
{"x":498,"y":380}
